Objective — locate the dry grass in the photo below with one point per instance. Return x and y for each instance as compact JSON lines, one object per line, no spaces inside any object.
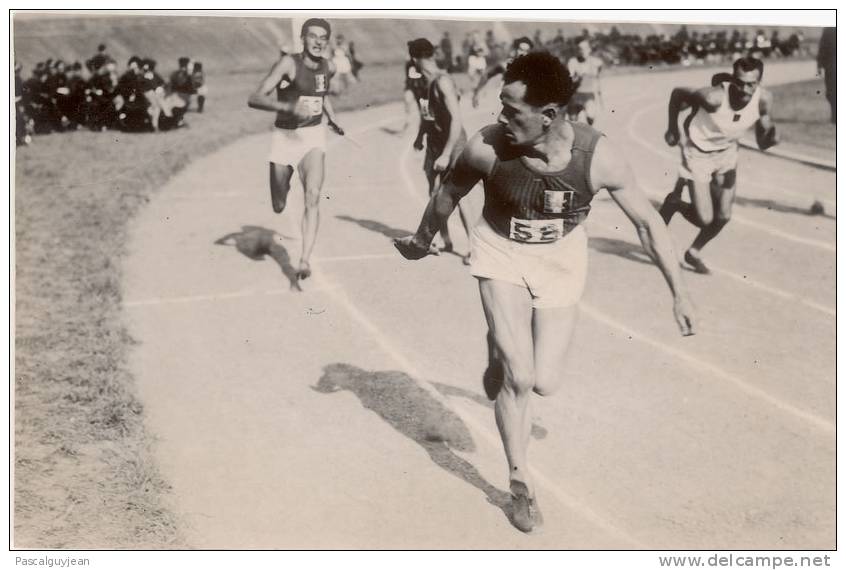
{"x":84,"y":470}
{"x":802,"y":114}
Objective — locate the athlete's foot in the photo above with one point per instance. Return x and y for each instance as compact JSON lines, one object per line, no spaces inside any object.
{"x":447,"y":247}
{"x":696,"y":262}
{"x":525,"y":514}
{"x":466,"y":259}
{"x":304,"y":272}
{"x":669,"y":207}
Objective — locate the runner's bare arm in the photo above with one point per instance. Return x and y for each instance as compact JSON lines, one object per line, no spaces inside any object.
{"x":263,"y":98}
{"x":765,"y":130}
{"x":450,"y":97}
{"x":609,"y":172}
{"x":682,"y":98}
{"x":475,"y":161}
{"x":330,"y":116}
{"x":489,"y":74}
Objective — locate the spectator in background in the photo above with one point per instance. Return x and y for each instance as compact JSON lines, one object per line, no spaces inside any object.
{"x":356,"y":64}
{"x":198,"y":85}
{"x":446,"y":52}
{"x":23,"y":135}
{"x":585,"y":70}
{"x":180,"y":80}
{"x":343,"y":66}
{"x":827,"y":66}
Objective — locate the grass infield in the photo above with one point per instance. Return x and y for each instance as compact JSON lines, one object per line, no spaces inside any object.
{"x":84,"y":470}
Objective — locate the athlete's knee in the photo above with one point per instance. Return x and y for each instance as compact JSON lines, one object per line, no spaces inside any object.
{"x":312,"y":196}
{"x":547,"y":384}
{"x":722,"y":217}
{"x":704,"y":216}
{"x":519,"y":378}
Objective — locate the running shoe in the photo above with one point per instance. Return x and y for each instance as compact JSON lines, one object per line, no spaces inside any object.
{"x":525,"y":514}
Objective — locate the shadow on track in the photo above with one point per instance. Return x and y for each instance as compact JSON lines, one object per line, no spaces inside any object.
{"x":377,"y":227}
{"x":396,"y":398}
{"x":783,"y":208}
{"x":538,"y":431}
{"x":256,"y":242}
{"x":624,"y":249}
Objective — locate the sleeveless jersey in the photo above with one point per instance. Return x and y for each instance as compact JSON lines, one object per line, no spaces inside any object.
{"x":433,"y":110}
{"x":307,"y":89}
{"x":721,"y":129}
{"x":532,"y":206}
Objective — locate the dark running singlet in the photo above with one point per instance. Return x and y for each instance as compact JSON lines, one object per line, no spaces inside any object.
{"x":532,"y":206}
{"x":308,"y":89}
{"x":434,"y":112}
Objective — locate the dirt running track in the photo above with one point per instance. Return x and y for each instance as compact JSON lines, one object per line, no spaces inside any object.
{"x":351,"y":415}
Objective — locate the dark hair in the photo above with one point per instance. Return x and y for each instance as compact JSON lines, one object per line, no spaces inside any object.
{"x":319,"y":22}
{"x":546,"y":78}
{"x":183,"y":61}
{"x":134,"y":59}
{"x":421,"y":47}
{"x":749,"y":63}
{"x":523,"y":40}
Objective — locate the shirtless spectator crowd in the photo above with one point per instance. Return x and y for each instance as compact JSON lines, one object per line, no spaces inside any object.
{"x":60,"y":96}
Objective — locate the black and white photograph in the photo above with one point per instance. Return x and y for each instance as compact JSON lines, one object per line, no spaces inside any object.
{"x":424,"y":281}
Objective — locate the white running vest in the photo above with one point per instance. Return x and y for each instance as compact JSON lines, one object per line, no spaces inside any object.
{"x":722,"y":128}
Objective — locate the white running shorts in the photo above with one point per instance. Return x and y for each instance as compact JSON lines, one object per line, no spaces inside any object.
{"x":289,"y":146}
{"x":700,"y":165}
{"x":554,"y":273}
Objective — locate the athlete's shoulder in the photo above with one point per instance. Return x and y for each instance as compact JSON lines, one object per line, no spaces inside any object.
{"x":483,"y":148}
{"x":713,"y":95}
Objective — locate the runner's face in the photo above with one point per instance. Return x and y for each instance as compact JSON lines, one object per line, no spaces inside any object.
{"x":744,"y":84}
{"x":522,"y":49}
{"x":584,"y":49}
{"x":315,"y":39}
{"x":523,"y":123}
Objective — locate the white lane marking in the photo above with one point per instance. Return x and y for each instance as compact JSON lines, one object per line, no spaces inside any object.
{"x":208,"y":297}
{"x":746,"y":280}
{"x":339,"y":295}
{"x":698,"y":364}
{"x":361,"y":257}
{"x":738,"y":218}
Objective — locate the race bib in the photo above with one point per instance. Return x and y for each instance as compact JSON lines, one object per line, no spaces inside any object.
{"x":557,"y":201}
{"x":313,"y":106}
{"x":536,"y":231}
{"x":424,"y":110}
{"x":320,"y":82}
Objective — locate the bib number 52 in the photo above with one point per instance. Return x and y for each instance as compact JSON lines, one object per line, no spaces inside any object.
{"x":536,"y":231}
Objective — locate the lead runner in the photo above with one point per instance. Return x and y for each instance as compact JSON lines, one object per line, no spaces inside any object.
{"x":529,"y":249}
{"x":296,"y":90}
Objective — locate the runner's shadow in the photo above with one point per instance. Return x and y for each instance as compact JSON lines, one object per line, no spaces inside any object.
{"x":775,"y":206}
{"x":538,"y":431}
{"x":257,"y":243}
{"x":624,"y":249}
{"x":377,"y":227}
{"x":396,"y":398}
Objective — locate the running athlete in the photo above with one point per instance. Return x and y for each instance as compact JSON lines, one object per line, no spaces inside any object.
{"x":540,"y":174}
{"x":440,"y":124}
{"x":521,"y":46}
{"x":415,"y":83}
{"x":719,"y":116}
{"x":585,"y":69}
{"x":296,"y":90}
